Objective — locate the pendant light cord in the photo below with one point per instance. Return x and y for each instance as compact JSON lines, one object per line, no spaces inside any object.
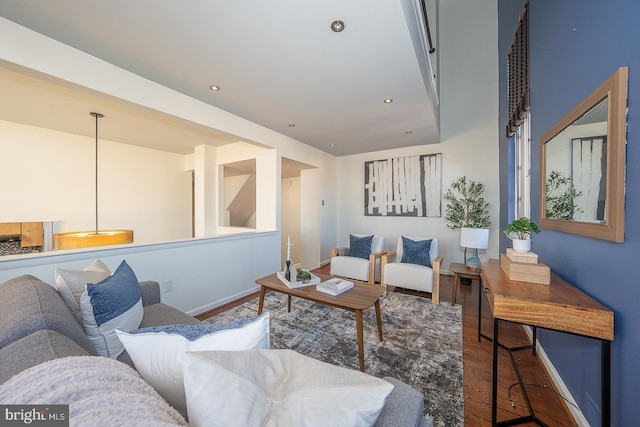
{"x":97,"y":116}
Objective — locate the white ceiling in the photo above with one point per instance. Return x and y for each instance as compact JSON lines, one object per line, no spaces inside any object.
{"x":277,"y":63}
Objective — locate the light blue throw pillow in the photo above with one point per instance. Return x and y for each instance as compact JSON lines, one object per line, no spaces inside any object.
{"x":360,"y":247}
{"x":193,"y":332}
{"x":113,"y":303}
{"x":416,"y":252}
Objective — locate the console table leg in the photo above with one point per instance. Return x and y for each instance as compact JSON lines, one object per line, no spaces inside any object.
{"x":606,"y":383}
{"x":494,"y":379}
{"x":535,"y":340}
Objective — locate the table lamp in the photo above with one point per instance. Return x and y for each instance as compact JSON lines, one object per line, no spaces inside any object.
{"x":473,"y":238}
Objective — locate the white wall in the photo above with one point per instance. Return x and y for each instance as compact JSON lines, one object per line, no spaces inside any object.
{"x":50,"y":176}
{"x":290,"y":219}
{"x":467,"y":36}
{"x":210,"y":271}
{"x":205,"y":273}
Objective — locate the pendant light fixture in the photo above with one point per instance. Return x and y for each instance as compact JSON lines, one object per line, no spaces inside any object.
{"x":96,"y":237}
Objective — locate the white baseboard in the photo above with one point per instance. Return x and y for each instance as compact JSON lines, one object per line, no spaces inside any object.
{"x":577,"y":414}
{"x":216,"y":304}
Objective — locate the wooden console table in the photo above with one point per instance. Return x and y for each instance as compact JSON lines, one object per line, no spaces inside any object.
{"x":558,"y":306}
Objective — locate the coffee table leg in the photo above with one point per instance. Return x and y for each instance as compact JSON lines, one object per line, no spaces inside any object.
{"x":289,"y":304}
{"x":379,"y":318}
{"x":360,"y":339}
{"x":261,"y":303}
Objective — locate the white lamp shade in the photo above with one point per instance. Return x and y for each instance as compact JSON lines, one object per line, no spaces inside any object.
{"x":476,"y":238}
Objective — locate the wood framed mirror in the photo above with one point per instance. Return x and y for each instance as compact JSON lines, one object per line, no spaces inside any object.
{"x":582,"y":165}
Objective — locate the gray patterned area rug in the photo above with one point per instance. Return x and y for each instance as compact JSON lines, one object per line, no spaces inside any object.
{"x":422,"y":343}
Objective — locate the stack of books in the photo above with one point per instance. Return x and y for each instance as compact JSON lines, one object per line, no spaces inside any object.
{"x":334,"y":286}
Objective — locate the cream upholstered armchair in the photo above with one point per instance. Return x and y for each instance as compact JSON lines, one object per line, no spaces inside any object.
{"x":414,"y":265}
{"x":361,"y":260}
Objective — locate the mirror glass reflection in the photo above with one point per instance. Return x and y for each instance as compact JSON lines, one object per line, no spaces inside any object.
{"x":576,"y":169}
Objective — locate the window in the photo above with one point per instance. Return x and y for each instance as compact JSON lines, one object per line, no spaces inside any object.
{"x":522,"y":166}
{"x":518,"y":120}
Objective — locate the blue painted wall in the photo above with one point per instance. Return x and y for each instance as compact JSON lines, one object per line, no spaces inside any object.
{"x":575,"y":45}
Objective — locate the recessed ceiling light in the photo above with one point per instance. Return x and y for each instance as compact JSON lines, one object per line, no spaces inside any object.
{"x":337,"y":26}
{"x":409,"y":132}
{"x":292,"y":125}
{"x":332,"y":145}
{"x":214,"y":88}
{"x":388,"y":101}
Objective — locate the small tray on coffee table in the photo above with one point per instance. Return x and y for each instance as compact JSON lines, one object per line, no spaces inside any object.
{"x":298,"y":284}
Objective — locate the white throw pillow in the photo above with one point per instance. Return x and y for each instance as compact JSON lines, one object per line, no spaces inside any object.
{"x":115,"y":302}
{"x":278,"y":388}
{"x":71,"y":284}
{"x":158,"y":353}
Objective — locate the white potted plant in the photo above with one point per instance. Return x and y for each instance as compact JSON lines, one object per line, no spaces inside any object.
{"x":519,"y":231}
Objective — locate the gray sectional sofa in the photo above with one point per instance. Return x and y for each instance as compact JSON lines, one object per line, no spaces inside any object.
{"x":36,"y":326}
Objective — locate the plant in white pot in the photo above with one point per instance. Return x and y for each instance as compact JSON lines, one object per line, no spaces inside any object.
{"x":519,"y":231}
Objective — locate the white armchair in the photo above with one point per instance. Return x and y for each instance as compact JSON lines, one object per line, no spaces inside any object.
{"x":409,"y":275}
{"x":357,"y":267}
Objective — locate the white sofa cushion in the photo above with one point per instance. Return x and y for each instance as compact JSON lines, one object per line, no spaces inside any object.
{"x":158,"y":353}
{"x":351,"y":267}
{"x":409,"y":276}
{"x":278,"y":388}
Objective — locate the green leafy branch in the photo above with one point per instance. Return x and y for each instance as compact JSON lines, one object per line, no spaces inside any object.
{"x":560,"y":197}
{"x":466,"y":205}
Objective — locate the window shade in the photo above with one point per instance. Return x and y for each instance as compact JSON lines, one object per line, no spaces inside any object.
{"x":518,"y":74}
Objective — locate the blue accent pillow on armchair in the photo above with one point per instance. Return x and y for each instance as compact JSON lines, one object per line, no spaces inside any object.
{"x":416,"y":252}
{"x":360,"y":247}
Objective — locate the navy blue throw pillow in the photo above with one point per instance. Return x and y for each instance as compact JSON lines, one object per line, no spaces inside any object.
{"x":416,"y":252}
{"x":360,"y":247}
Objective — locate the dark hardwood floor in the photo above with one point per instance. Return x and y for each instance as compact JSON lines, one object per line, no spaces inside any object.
{"x":547,"y":404}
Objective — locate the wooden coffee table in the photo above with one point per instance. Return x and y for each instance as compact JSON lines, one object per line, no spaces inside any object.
{"x":360,"y":297}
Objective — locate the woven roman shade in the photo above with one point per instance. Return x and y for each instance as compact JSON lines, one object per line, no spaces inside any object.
{"x":518,"y":74}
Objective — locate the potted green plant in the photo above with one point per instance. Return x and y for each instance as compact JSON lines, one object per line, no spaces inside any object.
{"x":519,"y":231}
{"x":468,"y":211}
{"x":466,"y":206}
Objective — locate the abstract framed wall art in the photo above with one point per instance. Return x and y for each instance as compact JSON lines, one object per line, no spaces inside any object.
{"x":404,"y":186}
